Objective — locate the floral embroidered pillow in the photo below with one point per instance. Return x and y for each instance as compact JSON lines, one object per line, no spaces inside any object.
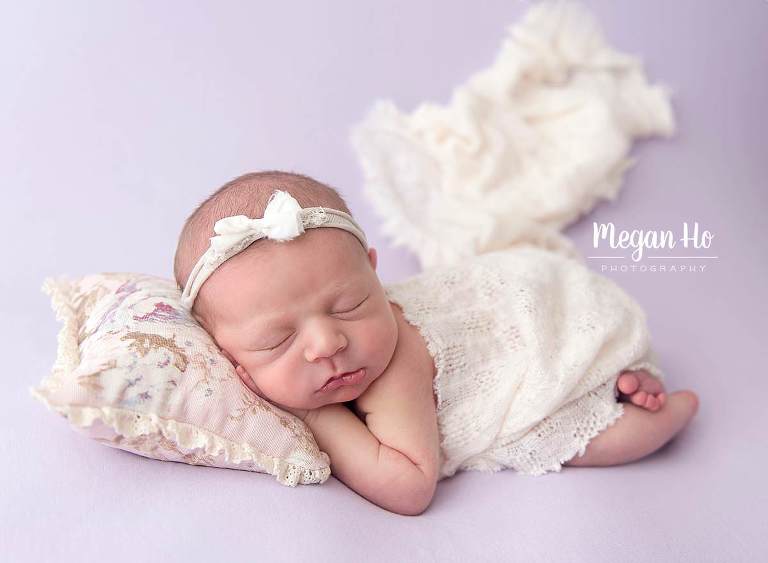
{"x":134,"y":371}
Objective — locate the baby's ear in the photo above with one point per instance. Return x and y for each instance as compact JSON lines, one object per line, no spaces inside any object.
{"x":248,"y":381}
{"x":229,"y":357}
{"x":372,"y":257}
{"x":242,"y":374}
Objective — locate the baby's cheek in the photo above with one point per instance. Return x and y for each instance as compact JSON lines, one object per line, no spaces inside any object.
{"x":379,"y":338}
{"x":284,"y":380}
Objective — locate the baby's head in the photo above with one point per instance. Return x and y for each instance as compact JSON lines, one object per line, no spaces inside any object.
{"x":291,"y":314}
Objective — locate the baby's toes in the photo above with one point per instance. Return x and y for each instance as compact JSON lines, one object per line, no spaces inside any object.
{"x":652,"y":403}
{"x":627,"y":383}
{"x":652,"y":385}
{"x":639,"y":398}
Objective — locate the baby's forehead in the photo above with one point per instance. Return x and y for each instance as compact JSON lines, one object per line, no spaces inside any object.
{"x":326,"y":258}
{"x":311,"y":267}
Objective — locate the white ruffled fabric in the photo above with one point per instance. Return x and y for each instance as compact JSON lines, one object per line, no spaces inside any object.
{"x":528,"y":342}
{"x":524,"y":148}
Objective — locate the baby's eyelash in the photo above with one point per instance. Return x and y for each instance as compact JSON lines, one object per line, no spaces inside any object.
{"x":358,"y":305}
{"x":276,"y":345}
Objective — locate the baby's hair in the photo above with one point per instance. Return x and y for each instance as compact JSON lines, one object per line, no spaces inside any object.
{"x":245,"y":195}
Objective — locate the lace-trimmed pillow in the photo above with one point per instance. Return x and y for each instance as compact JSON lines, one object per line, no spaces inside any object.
{"x":134,"y":371}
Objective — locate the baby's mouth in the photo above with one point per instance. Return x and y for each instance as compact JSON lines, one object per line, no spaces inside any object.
{"x":349,"y":378}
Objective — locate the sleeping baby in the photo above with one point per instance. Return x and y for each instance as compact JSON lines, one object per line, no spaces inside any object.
{"x":520,"y":358}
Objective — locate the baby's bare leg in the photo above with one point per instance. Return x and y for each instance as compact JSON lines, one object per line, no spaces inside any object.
{"x":639,"y":432}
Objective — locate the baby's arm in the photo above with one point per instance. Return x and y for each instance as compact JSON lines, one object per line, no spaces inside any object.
{"x":376,"y":471}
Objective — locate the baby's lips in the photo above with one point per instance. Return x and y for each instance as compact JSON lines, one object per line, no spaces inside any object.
{"x":349,"y":378}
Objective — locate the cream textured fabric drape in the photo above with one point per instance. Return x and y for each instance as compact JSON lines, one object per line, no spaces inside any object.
{"x":524,"y":148}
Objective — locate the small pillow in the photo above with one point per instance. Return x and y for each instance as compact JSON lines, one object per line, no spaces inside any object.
{"x":136,"y":372}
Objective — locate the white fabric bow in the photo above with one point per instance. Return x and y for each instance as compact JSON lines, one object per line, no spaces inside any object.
{"x":281,"y":222}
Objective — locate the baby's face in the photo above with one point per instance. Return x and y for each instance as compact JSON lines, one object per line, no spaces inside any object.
{"x":297,"y":313}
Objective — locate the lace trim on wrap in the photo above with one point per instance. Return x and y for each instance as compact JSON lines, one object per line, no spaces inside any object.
{"x":559,"y":437}
{"x":131,"y":424}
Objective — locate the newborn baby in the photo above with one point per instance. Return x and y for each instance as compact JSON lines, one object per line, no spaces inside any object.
{"x":519,"y":359}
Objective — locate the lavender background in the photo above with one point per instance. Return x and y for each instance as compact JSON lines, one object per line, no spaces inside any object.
{"x":118,"y":118}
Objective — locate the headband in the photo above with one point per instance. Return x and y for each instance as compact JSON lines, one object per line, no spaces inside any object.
{"x":284,"y":219}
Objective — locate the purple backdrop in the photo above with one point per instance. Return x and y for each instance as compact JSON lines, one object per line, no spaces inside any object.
{"x":118,"y":119}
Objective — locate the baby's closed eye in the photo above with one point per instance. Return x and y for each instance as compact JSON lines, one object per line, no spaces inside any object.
{"x":356,"y":306}
{"x":276,"y":345}
{"x":280,"y":342}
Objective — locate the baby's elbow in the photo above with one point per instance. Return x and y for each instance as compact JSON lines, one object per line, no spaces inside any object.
{"x":418,"y":508}
{"x":419,"y":505}
{"x":406,"y":488}
{"x":417,"y":500}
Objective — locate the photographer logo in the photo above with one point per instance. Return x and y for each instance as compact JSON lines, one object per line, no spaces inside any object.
{"x":626,"y":251}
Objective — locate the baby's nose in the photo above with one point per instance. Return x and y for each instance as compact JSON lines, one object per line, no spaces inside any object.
{"x":324,"y":342}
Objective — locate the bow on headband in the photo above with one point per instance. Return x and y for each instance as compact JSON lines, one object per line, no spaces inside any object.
{"x":281,"y":222}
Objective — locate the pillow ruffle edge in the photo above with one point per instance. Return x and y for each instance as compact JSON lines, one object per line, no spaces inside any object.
{"x":132,"y":424}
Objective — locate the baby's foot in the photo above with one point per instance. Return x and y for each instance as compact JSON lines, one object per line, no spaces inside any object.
{"x":641,"y":389}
